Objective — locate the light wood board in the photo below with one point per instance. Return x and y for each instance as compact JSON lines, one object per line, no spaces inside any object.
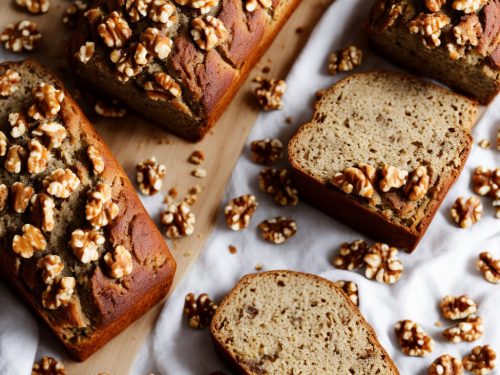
{"x":132,"y":139}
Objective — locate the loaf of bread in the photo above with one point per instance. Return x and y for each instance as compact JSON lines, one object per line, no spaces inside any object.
{"x":286,"y":322}
{"x":176,"y":62}
{"x":381,"y":152}
{"x":75,"y":241}
{"x":454,"y":41}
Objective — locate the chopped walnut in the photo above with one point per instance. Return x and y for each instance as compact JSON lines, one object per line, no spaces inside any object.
{"x":278,"y":230}
{"x":59,"y":293}
{"x":350,"y":289}
{"x":471,"y":329}
{"x":197,"y":157}
{"x":392,"y":178}
{"x":53,"y":132}
{"x":266,"y":151}
{"x":163,"y":11}
{"x":18,"y":123}
{"x":9,"y":82}
{"x":412,"y":339}
{"x":61,"y":183}
{"x":486,"y":181}
{"x":208,"y":32}
{"x":109,"y":108}
{"x":86,"y":51}
{"x":4,"y":195}
{"x":21,"y":195}
{"x":126,"y":61}
{"x":482,"y":360}
{"x":3,"y":143}
{"x":73,"y":12}
{"x":85,"y":243}
{"x":417,"y":184}
{"x":38,"y":157}
{"x":149,"y":175}
{"x":251,"y":5}
{"x":277,"y":183}
{"x":96,"y":159}
{"x":22,"y":36}
{"x":467,"y":212}
{"x":30,"y":241}
{"x":156,"y":44}
{"x":204,"y":6}
{"x":48,"y":101}
{"x":162,"y":88}
{"x":446,"y":365}
{"x":115,"y":30}
{"x":48,"y":366}
{"x":468,"y":31}
{"x":178,"y":220}
{"x":239,"y":211}
{"x":51,"y":266}
{"x":345,"y":60}
{"x":358,"y":180}
{"x":34,"y":6}
{"x":435,"y":5}
{"x":350,"y":255}
{"x":100,"y":209}
{"x":137,"y":9}
{"x":429,"y":26}
{"x":489,"y":267}
{"x":199,"y":173}
{"x":269,"y":93}
{"x":119,"y":262}
{"x":14,"y":159}
{"x":468,"y":6}
{"x":42,"y":211}
{"x":199,"y":311}
{"x":456,"y":308}
{"x":382,"y":264}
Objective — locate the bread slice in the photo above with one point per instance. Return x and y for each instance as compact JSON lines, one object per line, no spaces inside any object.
{"x":286,"y":322}
{"x":383,"y":118}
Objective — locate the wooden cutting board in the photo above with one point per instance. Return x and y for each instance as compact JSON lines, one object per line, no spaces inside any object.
{"x":132,"y":139}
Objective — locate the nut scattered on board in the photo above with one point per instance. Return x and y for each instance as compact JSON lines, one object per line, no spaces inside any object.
{"x":278,"y":184}
{"x":48,"y":366}
{"x":471,"y":329}
{"x":239,"y":211}
{"x":382,"y":264}
{"x":266,"y":151}
{"x":345,"y":60}
{"x":466,"y":212}
{"x":197,"y":157}
{"x":412,"y":339}
{"x":481,"y":360}
{"x":486,"y":182}
{"x":269,"y":93}
{"x":278,"y":230}
{"x":456,"y":308}
{"x":446,"y":365}
{"x":109,"y":108}
{"x":350,"y":289}
{"x":199,"y":311}
{"x":178,"y":220}
{"x":489,"y":267}
{"x":34,"y":6}
{"x":22,"y":36}
{"x":149,"y":175}
{"x":350,"y":255}
{"x":199,"y":173}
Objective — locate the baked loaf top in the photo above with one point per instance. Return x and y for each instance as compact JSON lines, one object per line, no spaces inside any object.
{"x":284,"y":322}
{"x":75,"y":241}
{"x":383,"y":119}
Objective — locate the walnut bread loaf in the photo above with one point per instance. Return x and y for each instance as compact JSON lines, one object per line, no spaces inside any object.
{"x":381,"y":152}
{"x":286,"y":322}
{"x":75,"y":241}
{"x":454,"y":41}
{"x":176,"y":62}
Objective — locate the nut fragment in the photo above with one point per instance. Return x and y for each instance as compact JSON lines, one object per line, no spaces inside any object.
{"x":42,"y":211}
{"x":239,"y":211}
{"x":197,"y":157}
{"x":456,"y":308}
{"x":199,"y":311}
{"x":109,"y":108}
{"x":489,"y":267}
{"x":51,"y":266}
{"x":178,"y":220}
{"x":162,"y":88}
{"x":38,"y":157}
{"x":52,"y":133}
{"x":129,"y":62}
{"x":3,"y":143}
{"x":22,"y":36}
{"x":115,"y":30}
{"x":34,"y":6}
{"x":392,"y":178}
{"x":59,"y":293}
{"x":9,"y":82}
{"x":446,"y":365}
{"x":482,"y":360}
{"x":21,"y":195}
{"x":429,"y":26}
{"x":277,"y":183}
{"x":208,"y":32}
{"x":266,"y":151}
{"x":137,"y":9}
{"x":163,"y":11}
{"x":47,"y":103}
{"x":467,"y":212}
{"x":100,"y":209}
{"x":85,"y":243}
{"x":468,"y":6}
{"x":278,"y":230}
{"x":4,"y":195}
{"x":149,"y":176}
{"x":61,"y":183}
{"x":204,"y":6}
{"x":486,"y":182}
{"x":14,"y":159}
{"x":350,"y":255}
{"x":86,"y":51}
{"x":18,"y":123}
{"x":412,"y":339}
{"x":251,"y":5}
{"x":30,"y":241}
{"x":357,"y":180}
{"x":468,"y":31}
{"x":435,"y":5}
{"x":156,"y":44}
{"x":382,"y":264}
{"x":119,"y":262}
{"x":96,"y":159}
{"x":48,"y":366}
{"x":269,"y":93}
{"x":350,"y":289}
{"x":471,"y":329}
{"x":345,"y":60}
{"x":418,"y":184}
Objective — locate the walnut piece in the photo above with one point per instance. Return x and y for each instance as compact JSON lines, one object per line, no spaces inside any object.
{"x":129,"y":62}
{"x":277,"y":183}
{"x":22,"y":36}
{"x":21,"y":195}
{"x":100,"y":209}
{"x":429,"y":26}
{"x":350,"y":289}
{"x":266,"y":151}
{"x":59,"y":293}
{"x":119,"y":262}
{"x":350,"y":255}
{"x":435,"y":5}
{"x":53,"y":134}
{"x":468,"y":31}
{"x":278,"y":230}
{"x":456,"y":308}
{"x":199,"y":311}
{"x":446,"y":365}
{"x":30,"y":241}
{"x":204,"y":6}
{"x":199,"y":173}
{"x":14,"y":159}
{"x":357,"y":180}
{"x":391,"y":12}
{"x":418,"y":184}
{"x":197,"y":157}
{"x":482,"y":360}
{"x":38,"y":157}
{"x":466,"y":212}
{"x":137,"y":9}
{"x":269,"y":93}
{"x":61,"y":183}
{"x":149,"y":175}
{"x":18,"y":123}
{"x":162,"y":88}
{"x":3,"y":143}
{"x":486,"y":182}
{"x":239,"y":211}
{"x":382,"y":264}
{"x":86,"y":52}
{"x":345,"y":60}
{"x":34,"y":6}
{"x":489,"y":267}
{"x":47,"y":102}
{"x":251,"y":5}
{"x":85,"y":243}
{"x":468,"y":6}
{"x":115,"y":30}
{"x":471,"y":329}
{"x":96,"y":159}
{"x":9,"y":82}
{"x":51,"y":266}
{"x":4,"y":195}
{"x":156,"y":44}
{"x":48,"y":366}
{"x":392,"y":178}
{"x":163,"y":11}
{"x":110,"y":108}
{"x":178,"y":220}
{"x":208,"y":32}
{"x":412,"y":339}
{"x":42,"y":211}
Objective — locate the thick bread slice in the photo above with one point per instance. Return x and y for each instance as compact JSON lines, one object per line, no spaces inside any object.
{"x":383,"y":118}
{"x":286,"y":322}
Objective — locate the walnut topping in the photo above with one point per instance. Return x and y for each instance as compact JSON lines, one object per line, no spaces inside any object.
{"x":100,"y":209}
{"x":119,"y":262}
{"x":350,"y":255}
{"x":278,"y":230}
{"x":48,"y":101}
{"x":199,"y":311}
{"x":468,"y":6}
{"x":61,"y":183}
{"x":85,"y":244}
{"x":21,"y":195}
{"x":446,"y":365}
{"x":468,"y":31}
{"x":4,"y":195}
{"x":126,"y":61}
{"x":9,"y":82}
{"x":178,"y":220}
{"x":429,"y":26}
{"x":208,"y":32}
{"x":48,"y":366}
{"x":266,"y":151}
{"x":156,"y":44}
{"x":489,"y":267}
{"x":435,"y":5}
{"x":149,"y":176}
{"x":382,"y":264}
{"x":96,"y":159}
{"x":345,"y":60}
{"x":163,"y":87}
{"x":163,"y":11}
{"x":73,"y":12}
{"x":392,"y":178}
{"x":59,"y":293}
{"x":204,"y":6}
{"x":51,"y":266}
{"x":34,"y":6}
{"x":109,"y":109}
{"x":30,"y":241}
{"x":269,"y":93}
{"x":137,"y":9}
{"x":467,"y":212}
{"x":251,"y":5}
{"x":42,"y":211}
{"x":14,"y":159}
{"x":22,"y":36}
{"x":197,"y":157}
{"x":358,"y":180}
{"x":277,"y":182}
{"x":3,"y":143}
{"x":53,"y":132}
{"x":239,"y":211}
{"x":412,"y":339}
{"x":115,"y":30}
{"x":456,"y":308}
{"x":391,"y":13}
{"x":469,"y":330}
{"x":418,"y":184}
{"x":38,"y":157}
{"x":350,"y":289}
{"x":18,"y":123}
{"x":486,"y":181}
{"x":481,"y":360}
{"x":85,"y":52}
